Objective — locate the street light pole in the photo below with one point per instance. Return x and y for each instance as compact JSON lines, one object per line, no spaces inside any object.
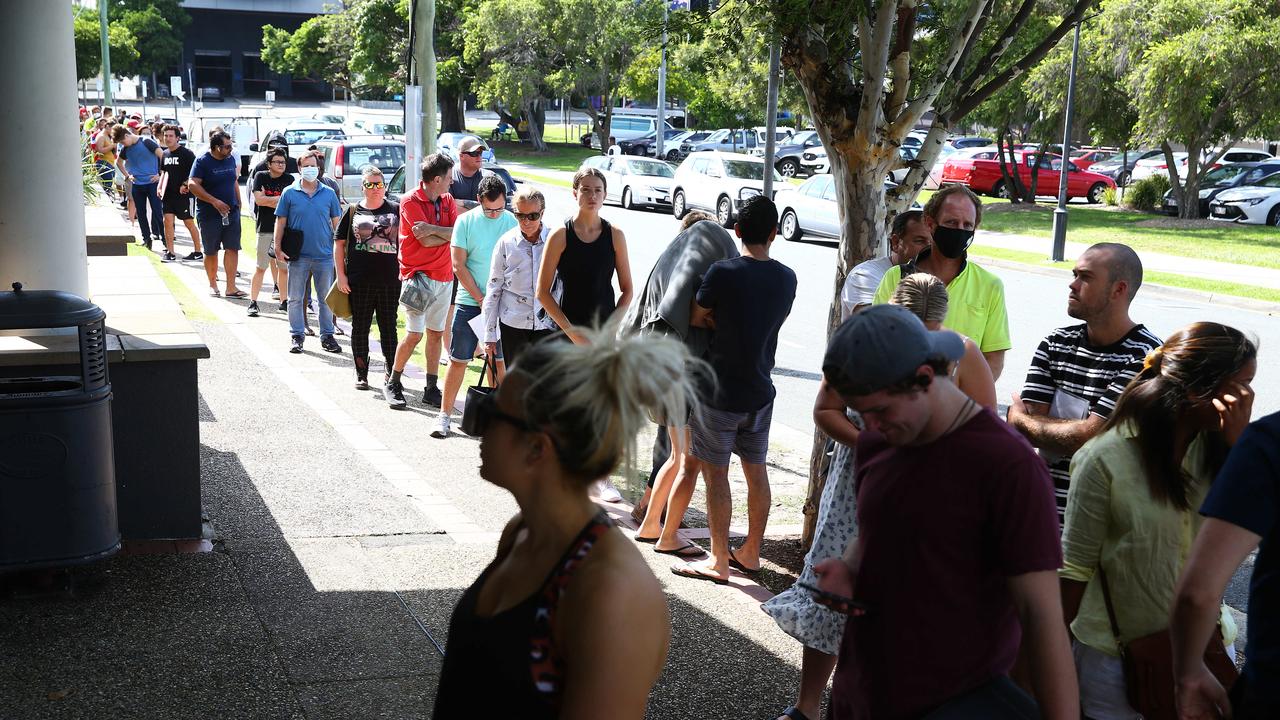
{"x":106,"y":54}
{"x":660,"y":138}
{"x":771,"y":121}
{"x":1060,"y":213}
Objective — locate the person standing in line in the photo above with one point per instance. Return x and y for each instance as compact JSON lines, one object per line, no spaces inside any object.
{"x":311,"y":208}
{"x":535,"y":636}
{"x":213,"y":181}
{"x":464,"y":186}
{"x":1079,"y":372}
{"x":512,"y":313}
{"x":104,"y":156}
{"x":175,"y":168}
{"x":267,"y":187}
{"x":474,"y":237}
{"x":139,"y":159}
{"x":745,"y":300}
{"x":978,"y":310}
{"x":427,"y":216}
{"x":909,"y":236}
{"x":583,"y":257}
{"x":365,"y":248}
{"x":1131,"y":509}
{"x":1242,"y":512}
{"x":956,"y":556}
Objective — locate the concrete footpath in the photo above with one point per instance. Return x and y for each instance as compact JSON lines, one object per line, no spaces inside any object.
{"x":340,"y":538}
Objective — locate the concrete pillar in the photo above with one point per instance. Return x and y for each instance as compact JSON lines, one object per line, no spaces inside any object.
{"x":42,"y":235}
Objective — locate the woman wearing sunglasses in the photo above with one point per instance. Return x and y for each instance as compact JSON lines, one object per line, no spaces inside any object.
{"x":512,"y":312}
{"x":365,"y":246}
{"x":536,"y":636}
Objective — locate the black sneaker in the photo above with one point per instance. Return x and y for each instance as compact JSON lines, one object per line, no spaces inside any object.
{"x":169,"y":257}
{"x":253,"y":309}
{"x":197,"y":255}
{"x":431,"y":397}
{"x":296,"y":347}
{"x":362,"y":383}
{"x":284,"y":306}
{"x":393,"y":393}
{"x":328,"y":344}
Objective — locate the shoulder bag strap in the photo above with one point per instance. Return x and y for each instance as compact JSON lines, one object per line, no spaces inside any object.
{"x":1111,"y":610}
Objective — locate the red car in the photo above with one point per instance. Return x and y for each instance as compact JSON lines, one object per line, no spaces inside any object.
{"x":1084,"y":159}
{"x":979,"y":169}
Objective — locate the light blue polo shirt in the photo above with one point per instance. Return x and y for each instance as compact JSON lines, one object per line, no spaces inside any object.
{"x":478,"y":234}
{"x":313,"y":215}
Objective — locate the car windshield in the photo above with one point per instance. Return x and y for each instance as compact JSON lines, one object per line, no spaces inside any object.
{"x":802,"y":137}
{"x":306,"y":137}
{"x":650,"y":167}
{"x":1224,"y":175}
{"x":746,"y":170}
{"x":381,"y":129}
{"x":1271,"y":181}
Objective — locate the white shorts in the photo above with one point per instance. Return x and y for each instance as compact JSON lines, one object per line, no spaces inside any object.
{"x":436,"y":313}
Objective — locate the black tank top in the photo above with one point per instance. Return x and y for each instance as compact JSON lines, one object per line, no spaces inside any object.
{"x":507,"y":665}
{"x":586,"y":276}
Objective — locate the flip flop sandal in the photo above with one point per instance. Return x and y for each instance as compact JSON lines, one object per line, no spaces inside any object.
{"x":238,"y":294}
{"x":685,"y":571}
{"x":214,"y":292}
{"x":794,"y":713}
{"x":733,"y":563}
{"x":687,"y":550}
{"x":647,"y":541}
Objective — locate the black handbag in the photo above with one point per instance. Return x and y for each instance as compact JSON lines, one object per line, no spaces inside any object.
{"x":476,"y":394}
{"x":291,"y":243}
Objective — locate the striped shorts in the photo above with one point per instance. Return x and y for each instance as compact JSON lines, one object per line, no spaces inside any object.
{"x":717,"y":434}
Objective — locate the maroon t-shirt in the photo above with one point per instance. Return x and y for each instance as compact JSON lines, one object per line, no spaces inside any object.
{"x":941,"y":528}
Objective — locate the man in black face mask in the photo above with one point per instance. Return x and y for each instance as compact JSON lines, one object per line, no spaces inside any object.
{"x":976,"y":308}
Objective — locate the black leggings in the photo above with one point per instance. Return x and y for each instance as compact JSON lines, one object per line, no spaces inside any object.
{"x":515,"y":340}
{"x":365,"y":300}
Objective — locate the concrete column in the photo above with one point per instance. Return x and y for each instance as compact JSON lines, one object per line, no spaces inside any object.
{"x":42,"y":235}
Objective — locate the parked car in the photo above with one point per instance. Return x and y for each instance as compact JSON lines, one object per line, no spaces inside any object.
{"x":366,"y":126}
{"x":1119,"y":167}
{"x":719,"y":182}
{"x":907,"y":154}
{"x":788,"y":157}
{"x":979,"y":169}
{"x":1223,"y":178}
{"x":396,"y":188}
{"x":814,"y":161}
{"x":914,"y":138}
{"x":646,"y":145}
{"x":330,"y":117}
{"x":969,"y":141}
{"x":1157,"y":164}
{"x":1252,"y":204}
{"x":934,"y":179}
{"x":626,"y":127}
{"x":1084,"y":159}
{"x":242,"y":129}
{"x":448,"y":143}
{"x":344,"y":158}
{"x":298,"y":134}
{"x":634,"y":181}
{"x":724,"y":140}
{"x":811,"y":209}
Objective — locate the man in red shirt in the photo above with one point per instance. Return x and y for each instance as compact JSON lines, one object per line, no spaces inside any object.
{"x":426,"y":271}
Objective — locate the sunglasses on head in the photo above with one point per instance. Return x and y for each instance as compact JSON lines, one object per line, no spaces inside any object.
{"x":374,"y":185}
{"x":473,"y":153}
{"x":530,"y":217}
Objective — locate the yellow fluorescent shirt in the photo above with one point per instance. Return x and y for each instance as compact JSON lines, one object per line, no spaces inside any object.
{"x":975,"y":309}
{"x":1141,"y":543}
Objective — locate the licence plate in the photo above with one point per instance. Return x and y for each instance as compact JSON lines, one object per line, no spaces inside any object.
{"x":1220,"y":211}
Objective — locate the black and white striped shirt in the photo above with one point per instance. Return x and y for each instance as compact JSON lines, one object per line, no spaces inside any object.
{"x":1066,"y":361}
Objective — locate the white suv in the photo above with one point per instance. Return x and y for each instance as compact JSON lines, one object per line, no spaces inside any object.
{"x":719,"y":182}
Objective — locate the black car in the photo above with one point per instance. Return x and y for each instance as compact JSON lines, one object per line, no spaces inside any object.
{"x":786,"y":158}
{"x":645,"y":144}
{"x":1118,"y":168}
{"x":1224,"y":178}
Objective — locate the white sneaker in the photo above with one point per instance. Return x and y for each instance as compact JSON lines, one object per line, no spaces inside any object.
{"x":442,"y":429}
{"x":607,"y":492}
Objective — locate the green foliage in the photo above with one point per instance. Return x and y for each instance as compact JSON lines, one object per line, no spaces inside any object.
{"x":320,"y":49}
{"x":1148,"y":193}
{"x":381,"y":46}
{"x":158,"y":44}
{"x":518,"y":48}
{"x":1110,"y":197}
{"x":88,"y":38}
{"x":1104,"y":108}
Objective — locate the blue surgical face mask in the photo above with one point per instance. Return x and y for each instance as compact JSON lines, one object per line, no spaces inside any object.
{"x":310,"y":173}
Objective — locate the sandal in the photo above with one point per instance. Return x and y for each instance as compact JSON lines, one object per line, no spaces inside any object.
{"x":794,"y":713}
{"x":215,"y":292}
{"x":693,"y":573}
{"x":733,"y":563}
{"x":238,"y":294}
{"x":687,"y":550}
{"x":647,"y":541}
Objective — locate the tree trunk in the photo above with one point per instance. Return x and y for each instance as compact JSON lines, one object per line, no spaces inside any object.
{"x":535,"y":127}
{"x":1174,"y":185}
{"x":1004,"y":149}
{"x":452,"y":119}
{"x":1189,"y":203}
{"x":603,"y":125}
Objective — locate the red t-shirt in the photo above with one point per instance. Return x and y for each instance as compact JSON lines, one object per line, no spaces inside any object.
{"x":436,"y":262}
{"x":941,"y":528}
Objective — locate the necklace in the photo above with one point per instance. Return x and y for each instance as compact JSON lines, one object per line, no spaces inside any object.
{"x":964,"y":409}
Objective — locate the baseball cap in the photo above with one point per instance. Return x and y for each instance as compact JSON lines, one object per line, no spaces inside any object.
{"x":883,"y":345}
{"x":133,"y":124}
{"x":470,"y":143}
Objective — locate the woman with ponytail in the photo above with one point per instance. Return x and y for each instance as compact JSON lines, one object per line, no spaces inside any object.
{"x":536,"y":635}
{"x":1131,"y":511}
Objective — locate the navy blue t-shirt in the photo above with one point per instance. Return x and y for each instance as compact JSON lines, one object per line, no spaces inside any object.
{"x":1246,"y":494}
{"x":749,"y":299}
{"x":218,"y":177}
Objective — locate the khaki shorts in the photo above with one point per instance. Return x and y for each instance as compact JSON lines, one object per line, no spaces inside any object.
{"x":264,"y":244}
{"x":435,"y":314}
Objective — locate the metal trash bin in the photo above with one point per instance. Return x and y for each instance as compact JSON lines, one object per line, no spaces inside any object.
{"x":57,"y":465}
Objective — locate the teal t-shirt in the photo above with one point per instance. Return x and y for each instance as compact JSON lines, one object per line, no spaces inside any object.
{"x":478,"y":234}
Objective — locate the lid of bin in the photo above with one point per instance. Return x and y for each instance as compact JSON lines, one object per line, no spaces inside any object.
{"x":32,"y":309}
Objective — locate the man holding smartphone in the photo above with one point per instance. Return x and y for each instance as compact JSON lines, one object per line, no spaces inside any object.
{"x":957,"y":551}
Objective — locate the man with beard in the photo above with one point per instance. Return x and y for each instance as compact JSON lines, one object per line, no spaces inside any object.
{"x":1079,"y":372}
{"x":976,"y":309}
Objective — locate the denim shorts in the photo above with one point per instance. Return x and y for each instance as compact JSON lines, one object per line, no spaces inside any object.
{"x":463,"y":341}
{"x":215,"y":236}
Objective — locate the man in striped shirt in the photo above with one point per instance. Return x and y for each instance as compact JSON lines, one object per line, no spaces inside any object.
{"x":1079,"y":372}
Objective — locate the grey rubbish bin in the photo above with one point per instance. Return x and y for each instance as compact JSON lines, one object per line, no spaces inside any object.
{"x":57,"y":469}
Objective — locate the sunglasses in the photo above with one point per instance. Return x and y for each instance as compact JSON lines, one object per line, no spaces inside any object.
{"x":530,"y":217}
{"x":474,"y":153}
{"x":492,"y":212}
{"x":483,"y":411}
{"x":374,"y":185}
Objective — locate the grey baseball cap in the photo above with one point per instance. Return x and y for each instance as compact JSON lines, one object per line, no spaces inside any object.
{"x":883,"y":345}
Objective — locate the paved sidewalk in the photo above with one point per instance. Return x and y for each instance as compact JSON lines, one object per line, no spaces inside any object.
{"x":342,"y":536}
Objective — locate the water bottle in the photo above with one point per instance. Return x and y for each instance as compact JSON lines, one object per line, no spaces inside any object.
{"x":226,"y":219}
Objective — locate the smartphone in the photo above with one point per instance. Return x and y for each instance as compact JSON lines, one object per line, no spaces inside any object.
{"x":832,"y":597}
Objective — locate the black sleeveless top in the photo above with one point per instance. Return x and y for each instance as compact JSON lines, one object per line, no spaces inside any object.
{"x":507,"y":665}
{"x":586,"y":276}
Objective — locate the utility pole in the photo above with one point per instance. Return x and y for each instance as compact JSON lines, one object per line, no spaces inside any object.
{"x":106,"y":54}
{"x":660,"y":140}
{"x":771,"y":120}
{"x":1060,"y":213}
{"x":424,"y":60}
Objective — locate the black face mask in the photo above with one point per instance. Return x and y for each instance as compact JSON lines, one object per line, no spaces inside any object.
{"x":952,"y":242}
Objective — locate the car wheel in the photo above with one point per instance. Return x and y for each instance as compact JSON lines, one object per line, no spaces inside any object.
{"x":1095,"y":193}
{"x":724,"y":211}
{"x":790,"y":226}
{"x":626,"y":198}
{"x":1000,"y":190}
{"x":1273,"y":217}
{"x":673,"y":155}
{"x":788,"y":168}
{"x":1123,"y":178}
{"x":677,"y":205}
